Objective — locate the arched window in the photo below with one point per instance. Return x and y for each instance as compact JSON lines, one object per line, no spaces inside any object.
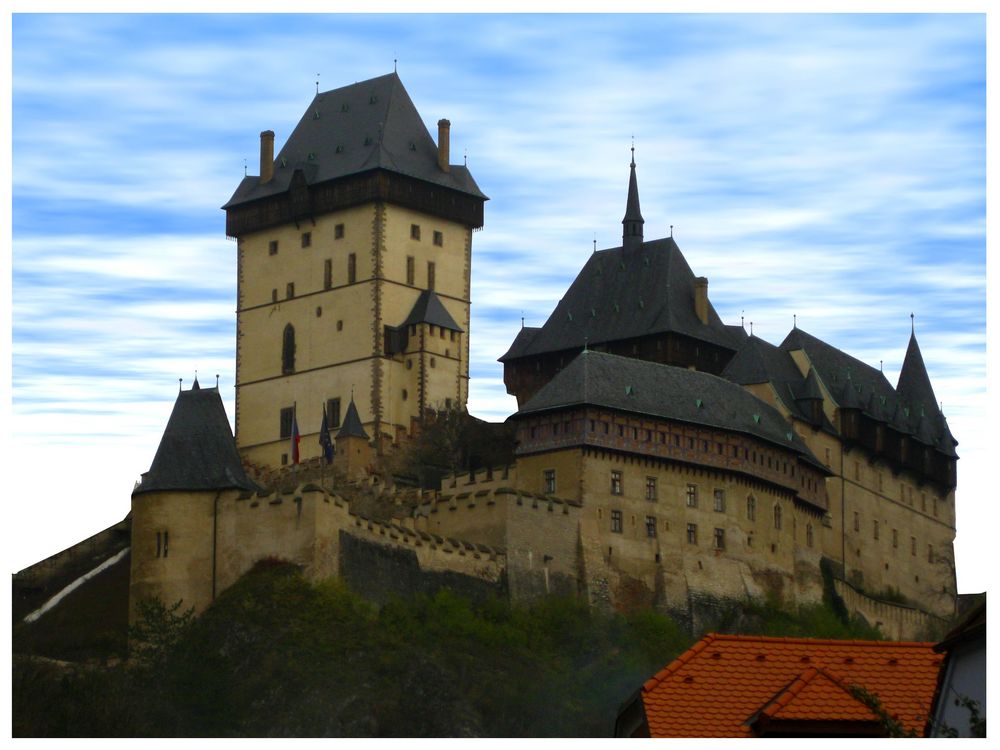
{"x":809,"y":535}
{"x":288,"y":350}
{"x":777,"y":516}
{"x":751,"y":508}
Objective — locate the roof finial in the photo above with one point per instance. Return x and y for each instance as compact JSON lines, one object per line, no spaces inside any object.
{"x":317,"y":83}
{"x":244,"y":167}
{"x":912,"y":327}
{"x":671,"y":231}
{"x":394,"y":64}
{"x":880,"y":365}
{"x":633,"y":151}
{"x":795,"y":320}
{"x":742,"y":324}
{"x":180,"y":384}
{"x":751,"y":328}
{"x":216,"y":381}
{"x":522,"y":318}
{"x":595,"y":242}
{"x":465,"y":156}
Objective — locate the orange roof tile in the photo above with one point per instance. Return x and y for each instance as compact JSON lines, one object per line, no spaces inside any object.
{"x":719,"y":686}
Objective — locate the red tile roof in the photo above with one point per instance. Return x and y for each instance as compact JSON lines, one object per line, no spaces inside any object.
{"x":724,"y":683}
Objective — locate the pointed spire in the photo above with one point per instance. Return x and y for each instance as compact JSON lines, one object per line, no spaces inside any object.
{"x":633,"y":221}
{"x":914,"y":385}
{"x":351,"y":426}
{"x":196,"y":386}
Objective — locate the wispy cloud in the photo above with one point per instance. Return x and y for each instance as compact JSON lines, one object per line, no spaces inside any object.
{"x":830,"y":167}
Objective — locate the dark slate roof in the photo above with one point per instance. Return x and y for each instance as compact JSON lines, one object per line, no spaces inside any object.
{"x":429,"y":309}
{"x":521,"y":341}
{"x":351,"y":426}
{"x":676,"y":393}
{"x":619,"y":295}
{"x":197,"y":450}
{"x":354,"y":129}
{"x":633,"y":216}
{"x":911,"y":409}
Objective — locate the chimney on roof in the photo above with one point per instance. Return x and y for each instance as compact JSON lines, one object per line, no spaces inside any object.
{"x":701,"y":299}
{"x":444,"y":144}
{"x":266,"y":156}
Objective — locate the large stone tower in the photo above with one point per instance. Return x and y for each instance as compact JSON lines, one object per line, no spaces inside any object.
{"x":355,"y":250}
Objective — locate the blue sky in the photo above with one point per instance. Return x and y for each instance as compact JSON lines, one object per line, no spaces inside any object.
{"x":831,"y":167}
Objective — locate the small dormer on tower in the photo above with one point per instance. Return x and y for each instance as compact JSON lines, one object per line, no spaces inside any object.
{"x":633,"y":221}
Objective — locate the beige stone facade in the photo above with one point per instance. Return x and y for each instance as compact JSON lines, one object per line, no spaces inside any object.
{"x":360,"y":270}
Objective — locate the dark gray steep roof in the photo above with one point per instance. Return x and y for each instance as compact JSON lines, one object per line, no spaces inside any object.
{"x":354,"y":129}
{"x":620,"y":295}
{"x":520,"y":343}
{"x":351,"y":426}
{"x":675,"y":393}
{"x":914,"y":385}
{"x":429,"y":309}
{"x":759,"y":361}
{"x":197,"y":450}
{"x":849,"y":380}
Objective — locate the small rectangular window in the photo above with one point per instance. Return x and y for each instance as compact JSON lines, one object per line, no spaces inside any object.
{"x":651,"y":488}
{"x":307,"y":239}
{"x":875,"y":529}
{"x":272,"y":247}
{"x":274,"y":295}
{"x":651,"y":526}
{"x":719,"y":497}
{"x":290,"y":290}
{"x":438,"y":239}
{"x":166,"y":542}
{"x":616,"y":521}
{"x":616,"y":482}
{"x":719,"y":539}
{"x":549,"y":477}
{"x":857,"y":521}
{"x":430,"y":275}
{"x":333,"y":412}
{"x":692,"y":533}
{"x":751,"y":508}
{"x":410,"y":275}
{"x":930,"y":553}
{"x":327,"y":273}
{"x":285,"y":430}
{"x":352,"y":268}
{"x":692,"y":496}
{"x":913,"y":546}
{"x":414,"y":231}
{"x":895,"y":539}
{"x":338,"y":232}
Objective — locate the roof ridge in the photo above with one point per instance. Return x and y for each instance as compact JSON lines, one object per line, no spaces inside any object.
{"x":807,"y":640}
{"x":679,"y":662}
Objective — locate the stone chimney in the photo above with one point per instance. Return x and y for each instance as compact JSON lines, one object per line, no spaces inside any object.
{"x":701,"y":299}
{"x":266,"y":156}
{"x":444,"y":145}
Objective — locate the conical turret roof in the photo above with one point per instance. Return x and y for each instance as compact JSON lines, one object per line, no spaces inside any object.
{"x":351,"y":426}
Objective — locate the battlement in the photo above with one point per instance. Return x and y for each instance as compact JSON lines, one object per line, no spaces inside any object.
{"x":488,"y":477}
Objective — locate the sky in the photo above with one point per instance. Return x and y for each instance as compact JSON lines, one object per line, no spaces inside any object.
{"x":827,"y":167}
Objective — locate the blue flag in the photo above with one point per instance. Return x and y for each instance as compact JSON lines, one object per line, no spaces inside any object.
{"x":324,"y":438}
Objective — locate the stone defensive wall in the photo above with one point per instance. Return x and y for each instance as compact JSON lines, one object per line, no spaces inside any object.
{"x":318,"y":531}
{"x":896,"y":621}
{"x":480,"y":478}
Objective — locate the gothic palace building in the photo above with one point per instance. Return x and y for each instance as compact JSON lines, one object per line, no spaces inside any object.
{"x":664,"y":458}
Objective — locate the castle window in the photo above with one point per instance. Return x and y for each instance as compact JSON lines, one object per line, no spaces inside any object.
{"x":913,"y":546}
{"x":616,"y":482}
{"x":290,"y":290}
{"x":692,"y":495}
{"x":751,"y":508}
{"x":438,"y":239}
{"x":433,"y":362}
{"x":549,"y":481}
{"x":857,"y":521}
{"x":285,"y":430}
{"x":405,"y":395}
{"x":274,"y":295}
{"x":777,"y":517}
{"x":430,"y":274}
{"x":616,"y":521}
{"x":935,"y":507}
{"x":692,"y":533}
{"x":930,"y":553}
{"x":333,"y":412}
{"x":879,"y":475}
{"x":319,"y":312}
{"x":719,"y":497}
{"x":327,"y":273}
{"x":621,"y":430}
{"x":895,"y":539}
{"x":875,"y":529}
{"x":162,"y":539}
{"x":338,"y":232}
{"x":340,"y":325}
{"x":651,"y":527}
{"x":307,"y":239}
{"x":414,"y":231}
{"x":272,"y":247}
{"x":719,"y":539}
{"x":288,"y":350}
{"x":410,"y":275}
{"x":352,"y":268}
{"x":909,"y":496}
{"x":651,"y":488}
{"x":284,"y":459}
{"x":923,"y":502}
{"x":454,"y":335}
{"x":809,"y":535}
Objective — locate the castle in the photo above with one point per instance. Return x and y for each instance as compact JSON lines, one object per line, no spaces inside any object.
{"x":664,"y":458}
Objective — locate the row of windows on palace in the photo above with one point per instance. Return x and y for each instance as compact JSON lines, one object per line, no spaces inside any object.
{"x":718,"y":505}
{"x":338,"y":234}
{"x":352,"y":262}
{"x":288,"y":342}
{"x":352,"y":275}
{"x":705,"y":446}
